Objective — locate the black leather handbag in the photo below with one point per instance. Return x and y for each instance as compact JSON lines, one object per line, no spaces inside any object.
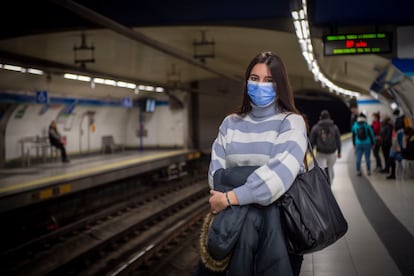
{"x":310,"y":215}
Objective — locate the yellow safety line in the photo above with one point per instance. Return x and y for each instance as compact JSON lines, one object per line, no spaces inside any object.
{"x":86,"y":171}
{"x":104,"y":167}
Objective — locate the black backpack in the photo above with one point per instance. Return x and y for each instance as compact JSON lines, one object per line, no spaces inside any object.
{"x":362,"y":133}
{"x":326,"y":142}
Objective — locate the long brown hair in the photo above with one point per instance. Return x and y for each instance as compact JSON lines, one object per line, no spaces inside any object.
{"x":284,"y":94}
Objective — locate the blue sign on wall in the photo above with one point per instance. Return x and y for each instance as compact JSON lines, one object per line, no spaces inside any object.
{"x":126,"y":102}
{"x":41,"y":97}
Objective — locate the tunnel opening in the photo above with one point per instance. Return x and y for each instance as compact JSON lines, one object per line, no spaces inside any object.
{"x":312,"y":102}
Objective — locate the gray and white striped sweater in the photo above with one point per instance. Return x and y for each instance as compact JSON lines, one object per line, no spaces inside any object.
{"x":261,"y":139}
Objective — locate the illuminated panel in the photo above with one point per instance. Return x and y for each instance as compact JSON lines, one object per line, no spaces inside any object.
{"x":354,"y":44}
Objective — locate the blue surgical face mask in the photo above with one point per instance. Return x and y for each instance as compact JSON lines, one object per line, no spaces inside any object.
{"x":261,"y":93}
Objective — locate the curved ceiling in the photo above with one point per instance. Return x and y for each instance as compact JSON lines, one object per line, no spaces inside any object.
{"x":148,"y":40}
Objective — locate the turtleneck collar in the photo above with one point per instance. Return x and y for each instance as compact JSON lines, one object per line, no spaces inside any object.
{"x":260,"y":112}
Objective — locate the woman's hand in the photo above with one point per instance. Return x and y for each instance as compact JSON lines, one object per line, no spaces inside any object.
{"x":218,"y":201}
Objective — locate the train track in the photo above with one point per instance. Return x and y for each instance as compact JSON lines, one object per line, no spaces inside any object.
{"x":116,"y":241}
{"x":160,"y":251}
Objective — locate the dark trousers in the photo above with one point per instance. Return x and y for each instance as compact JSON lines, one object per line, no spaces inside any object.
{"x":386,"y":151}
{"x":393,"y":158}
{"x":62,"y":149}
{"x":376,"y":152}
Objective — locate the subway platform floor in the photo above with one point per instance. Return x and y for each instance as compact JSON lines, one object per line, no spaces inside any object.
{"x":379,"y":211}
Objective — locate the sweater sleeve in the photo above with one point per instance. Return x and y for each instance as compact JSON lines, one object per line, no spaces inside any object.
{"x":266,"y":184}
{"x":218,"y":153}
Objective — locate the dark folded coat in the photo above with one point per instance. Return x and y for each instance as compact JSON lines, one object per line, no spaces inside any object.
{"x":225,"y":228}
{"x":251,"y":236}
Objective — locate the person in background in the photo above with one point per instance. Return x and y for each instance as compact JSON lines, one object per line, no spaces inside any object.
{"x":403,"y":148}
{"x":363,"y":139}
{"x":386,"y":133}
{"x":407,"y":152}
{"x":55,"y":140}
{"x":261,"y":134}
{"x":400,"y":121}
{"x":376,"y":127}
{"x":395,"y":152}
{"x":354,"y":115}
{"x":326,"y":137}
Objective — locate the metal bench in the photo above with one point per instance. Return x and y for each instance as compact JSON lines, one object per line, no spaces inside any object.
{"x":109,"y":145}
{"x":39,"y":144}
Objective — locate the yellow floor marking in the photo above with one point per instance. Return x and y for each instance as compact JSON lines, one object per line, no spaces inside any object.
{"x":88,"y":171}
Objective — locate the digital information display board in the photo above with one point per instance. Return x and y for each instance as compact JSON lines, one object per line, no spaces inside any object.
{"x":352,"y":44}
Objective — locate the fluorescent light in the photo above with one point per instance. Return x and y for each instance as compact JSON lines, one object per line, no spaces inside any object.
{"x":124,"y":84}
{"x":301,"y":14}
{"x":35,"y":71}
{"x":121,"y":84}
{"x":14,"y":68}
{"x":301,"y":25}
{"x":305,"y":29}
{"x":99,"y":80}
{"x":298,"y":29}
{"x":110,"y":82}
{"x":149,"y":88}
{"x":70,"y":76}
{"x":84,"y":78}
{"x":131,"y":85}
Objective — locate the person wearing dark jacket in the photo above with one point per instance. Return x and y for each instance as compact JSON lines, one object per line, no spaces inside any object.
{"x":386,"y":137}
{"x":269,"y":132}
{"x":408,"y":151}
{"x":326,"y":138}
{"x":55,"y":140}
{"x":402,"y":150}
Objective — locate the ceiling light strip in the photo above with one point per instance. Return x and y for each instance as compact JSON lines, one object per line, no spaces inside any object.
{"x":21,"y":69}
{"x":84,"y":78}
{"x":110,"y":82}
{"x":301,"y":24}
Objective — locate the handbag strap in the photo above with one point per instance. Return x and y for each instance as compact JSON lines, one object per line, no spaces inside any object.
{"x":315,"y":162}
{"x":310,"y":149}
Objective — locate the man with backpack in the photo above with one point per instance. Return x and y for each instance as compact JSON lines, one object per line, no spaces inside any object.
{"x":363,"y":139}
{"x":326,"y":138}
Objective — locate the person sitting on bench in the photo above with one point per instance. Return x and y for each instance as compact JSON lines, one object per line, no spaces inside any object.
{"x":56,"y":140}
